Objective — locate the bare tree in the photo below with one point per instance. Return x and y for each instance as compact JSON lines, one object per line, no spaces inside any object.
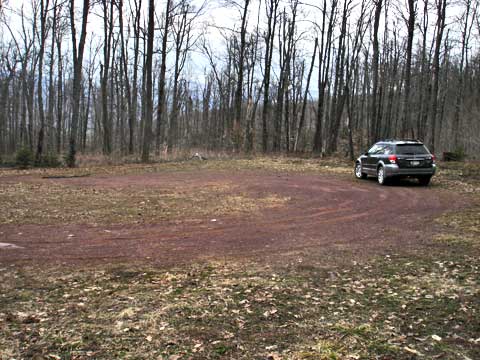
{"x":251,"y":103}
{"x":406,"y":121}
{"x":163,"y":71}
{"x":105,"y":67}
{"x":271,"y":9}
{"x":323,"y":70}
{"x":305,"y":98}
{"x":147,"y":135}
{"x":59,"y":127}
{"x":466,"y":34}
{"x":236,"y":136}
{"x":286,"y":43}
{"x":183,"y":37}
{"x":41,"y":111}
{"x":425,"y":84}
{"x":77,"y":55}
{"x":441,"y":6}
{"x":374,"y":123}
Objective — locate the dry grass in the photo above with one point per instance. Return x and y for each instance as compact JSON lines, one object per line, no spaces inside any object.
{"x":42,"y":203}
{"x":462,"y":228}
{"x":281,"y":164}
{"x":460,"y":176}
{"x":390,"y":307}
{"x":27,"y":198}
{"x":89,"y":160}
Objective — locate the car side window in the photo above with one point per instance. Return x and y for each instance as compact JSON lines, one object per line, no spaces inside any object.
{"x":373,"y":150}
{"x":381,"y":150}
{"x":377,"y":150}
{"x":388,"y":150}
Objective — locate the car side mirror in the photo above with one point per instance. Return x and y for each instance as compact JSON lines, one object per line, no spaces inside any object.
{"x":365,"y":153}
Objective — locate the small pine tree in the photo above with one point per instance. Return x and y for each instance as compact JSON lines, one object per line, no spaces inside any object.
{"x":69,"y":159}
{"x":50,"y":160}
{"x":24,"y":158}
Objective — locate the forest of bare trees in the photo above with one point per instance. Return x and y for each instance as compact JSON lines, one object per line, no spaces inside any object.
{"x":143,"y":78}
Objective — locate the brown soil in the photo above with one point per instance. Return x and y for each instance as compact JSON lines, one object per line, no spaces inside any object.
{"x":326,"y":215}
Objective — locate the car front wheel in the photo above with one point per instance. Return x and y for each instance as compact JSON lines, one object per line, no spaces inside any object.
{"x":358,"y":171}
{"x":382,"y":180}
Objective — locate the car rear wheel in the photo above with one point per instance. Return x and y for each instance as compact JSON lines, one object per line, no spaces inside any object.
{"x":424,"y":180}
{"x":381,"y":178}
{"x":358,"y":171}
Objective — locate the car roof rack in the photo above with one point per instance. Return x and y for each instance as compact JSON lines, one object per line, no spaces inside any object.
{"x":401,"y":140}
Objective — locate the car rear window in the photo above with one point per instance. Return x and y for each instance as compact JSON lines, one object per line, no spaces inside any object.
{"x":414,"y":149}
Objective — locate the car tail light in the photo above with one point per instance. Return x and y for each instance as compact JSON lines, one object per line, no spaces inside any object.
{"x":433,"y":158}
{"x":393,"y":159}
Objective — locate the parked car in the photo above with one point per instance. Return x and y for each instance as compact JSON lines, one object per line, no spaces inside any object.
{"x":390,"y":159}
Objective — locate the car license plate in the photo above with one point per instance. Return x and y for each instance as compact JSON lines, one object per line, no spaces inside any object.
{"x":415,"y":163}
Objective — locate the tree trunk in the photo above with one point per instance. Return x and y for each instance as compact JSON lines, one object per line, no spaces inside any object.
{"x":461,"y":75}
{"x":77,"y":75}
{"x":406,"y":121}
{"x":441,"y":8}
{"x":161,"y":80}
{"x":305,"y":98}
{"x":41,"y":112}
{"x":323,"y":72}
{"x":59,"y":127}
{"x":107,"y":46}
{"x":374,"y":122}
{"x":272,"y":20}
{"x":147,"y":137}
{"x":237,"y":118}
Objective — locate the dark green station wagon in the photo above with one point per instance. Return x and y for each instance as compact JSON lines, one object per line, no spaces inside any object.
{"x":393,"y":159}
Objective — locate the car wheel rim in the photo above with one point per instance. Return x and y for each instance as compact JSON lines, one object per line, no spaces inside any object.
{"x":358,"y":171}
{"x":380,"y":176}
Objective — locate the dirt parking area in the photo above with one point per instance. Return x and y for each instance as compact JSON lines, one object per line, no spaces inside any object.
{"x":202,"y":213}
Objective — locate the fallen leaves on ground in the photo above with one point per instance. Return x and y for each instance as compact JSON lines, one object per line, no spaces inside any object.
{"x":390,"y":307}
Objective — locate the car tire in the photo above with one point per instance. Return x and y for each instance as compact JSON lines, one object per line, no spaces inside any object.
{"x":381,"y":178}
{"x":358,"y":171}
{"x":424,"y":180}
